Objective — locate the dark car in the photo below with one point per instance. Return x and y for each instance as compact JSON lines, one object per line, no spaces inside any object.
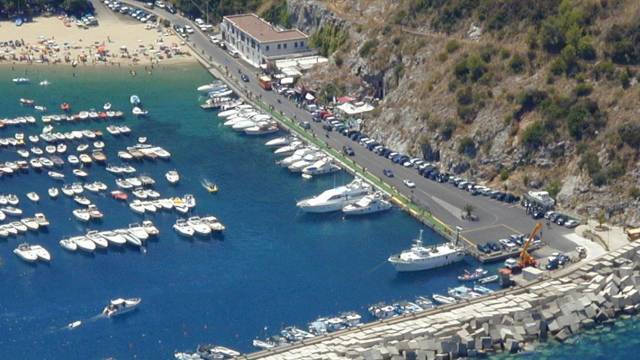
{"x":244,"y":78}
{"x":552,"y":265}
{"x":170,"y":9}
{"x":347,"y":150}
{"x":387,"y":172}
{"x":494,"y":246}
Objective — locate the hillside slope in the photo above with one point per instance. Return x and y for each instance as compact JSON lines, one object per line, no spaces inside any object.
{"x":514,"y":94}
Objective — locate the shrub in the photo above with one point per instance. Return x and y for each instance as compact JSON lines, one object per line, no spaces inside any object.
{"x":452,"y":46}
{"x":630,"y":134}
{"x":447,"y":129}
{"x":553,"y":188}
{"x":328,"y":39}
{"x":467,"y":147}
{"x":623,"y":43}
{"x":471,"y":68}
{"x":517,"y":64}
{"x":369,"y":47}
{"x":634,"y":192}
{"x":583,"y":89}
{"x":465,"y":96}
{"x":604,"y":69}
{"x":589,"y":161}
{"x":534,"y":136}
{"x":615,"y":169}
{"x":504,"y":174}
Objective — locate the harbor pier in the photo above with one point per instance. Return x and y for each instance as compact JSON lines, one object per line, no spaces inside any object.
{"x":571,"y":300}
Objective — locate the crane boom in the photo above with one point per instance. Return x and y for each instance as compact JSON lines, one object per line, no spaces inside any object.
{"x":525,"y":258}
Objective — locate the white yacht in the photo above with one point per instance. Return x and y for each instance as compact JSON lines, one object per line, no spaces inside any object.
{"x":288,"y":149}
{"x":172,"y":176}
{"x":33,"y":196}
{"x":279,"y":142}
{"x":69,"y":244}
{"x":322,"y":166}
{"x":183,"y":228}
{"x":306,"y":161}
{"x":94,"y":236}
{"x":84,"y":243}
{"x":120,"y":306}
{"x":296,"y":156}
{"x":337,"y":198}
{"x":369,"y":204}
{"x":113,"y":237}
{"x":138,"y":231}
{"x":31,"y":253}
{"x":419,"y":257}
{"x":199,"y":226}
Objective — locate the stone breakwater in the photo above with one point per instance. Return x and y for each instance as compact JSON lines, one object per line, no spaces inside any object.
{"x":572,"y":300}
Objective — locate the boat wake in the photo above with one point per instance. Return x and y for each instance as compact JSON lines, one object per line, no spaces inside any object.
{"x":77,"y":323}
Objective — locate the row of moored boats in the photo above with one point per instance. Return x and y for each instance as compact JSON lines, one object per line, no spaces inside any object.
{"x":135,"y":234}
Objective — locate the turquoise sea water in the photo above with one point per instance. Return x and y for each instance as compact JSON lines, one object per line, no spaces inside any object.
{"x":273,"y":267}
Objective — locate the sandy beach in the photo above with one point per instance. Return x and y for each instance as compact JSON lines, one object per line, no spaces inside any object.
{"x":117,"y":40}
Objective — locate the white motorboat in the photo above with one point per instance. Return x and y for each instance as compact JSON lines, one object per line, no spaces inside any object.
{"x":243,"y":124}
{"x":21,"y":80}
{"x":82,"y":214}
{"x":172,"y":176}
{"x":210,"y":87}
{"x":128,"y":237}
{"x":44,"y":83}
{"x":228,"y":113}
{"x":10,"y":210}
{"x":183,"y":228}
{"x":137,"y":206}
{"x":297,"y":155}
{"x":68,"y":244}
{"x":30,"y":223}
{"x":113,"y":237}
{"x":61,"y":148}
{"x":82,"y":200}
{"x":337,"y":198}
{"x":33,"y":196}
{"x":94,"y":236}
{"x":67,"y":189}
{"x":322,"y":166}
{"x":2,"y":216}
{"x":279,"y":142}
{"x":198,"y":226}
{"x":55,"y":175}
{"x":444,"y":300}
{"x":137,"y":111}
{"x":85,"y":159}
{"x":80,"y":173}
{"x":369,"y":204}
{"x":72,"y":159}
{"x":25,"y":252}
{"x":41,"y":219}
{"x":84,"y":243}
{"x":107,"y":106}
{"x":419,"y":257}
{"x":138,"y":231}
{"x":120,"y":306}
{"x":150,"y":228}
{"x":142,"y":140}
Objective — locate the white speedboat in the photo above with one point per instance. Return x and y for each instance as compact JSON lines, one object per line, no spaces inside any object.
{"x":150,"y":228}
{"x":32,"y":253}
{"x":337,"y":198}
{"x":82,"y":214}
{"x":183,"y":228}
{"x":94,"y":236}
{"x":444,"y":300}
{"x":137,"y":111}
{"x":243,"y":124}
{"x":68,"y":244}
{"x":113,"y":237}
{"x":128,"y":237}
{"x":21,"y":80}
{"x":30,"y":223}
{"x":33,"y":196}
{"x":419,"y":257}
{"x":172,"y":176}
{"x":369,"y":204}
{"x":120,"y":306}
{"x":322,"y":166}
{"x":211,"y":87}
{"x":107,"y":106}
{"x":41,"y":219}
{"x":84,"y":244}
{"x":72,"y":159}
{"x":10,"y":210}
{"x":80,"y":173}
{"x":55,"y":175}
{"x":279,"y":142}
{"x":199,"y":226}
{"x":53,"y":192}
{"x":138,"y":231}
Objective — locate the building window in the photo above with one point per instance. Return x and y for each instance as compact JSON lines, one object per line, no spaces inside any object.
{"x":284,"y":45}
{"x":266,"y":48}
{"x":278,"y":46}
{"x":295,"y":44}
{"x":301,"y":43}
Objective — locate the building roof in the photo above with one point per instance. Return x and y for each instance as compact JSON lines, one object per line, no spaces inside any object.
{"x":262,"y":31}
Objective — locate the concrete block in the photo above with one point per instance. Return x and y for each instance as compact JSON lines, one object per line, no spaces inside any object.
{"x":511,"y":346}
{"x":485,"y":342}
{"x":563,"y":334}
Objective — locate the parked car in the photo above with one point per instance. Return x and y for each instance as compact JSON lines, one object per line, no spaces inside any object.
{"x":388,"y":173}
{"x":571,"y":223}
{"x":347,"y":150}
{"x":507,"y":244}
{"x":244,"y":77}
{"x":494,"y":246}
{"x":410,"y":184}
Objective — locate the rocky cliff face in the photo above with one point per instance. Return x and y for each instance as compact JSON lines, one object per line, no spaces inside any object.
{"x":490,"y":96}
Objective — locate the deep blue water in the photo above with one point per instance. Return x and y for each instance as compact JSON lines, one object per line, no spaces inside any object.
{"x":273,"y":267}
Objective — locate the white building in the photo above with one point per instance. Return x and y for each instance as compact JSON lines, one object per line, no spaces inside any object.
{"x":259,"y":42}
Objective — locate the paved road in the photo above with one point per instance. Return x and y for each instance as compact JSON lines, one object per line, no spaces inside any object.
{"x":495,"y":219}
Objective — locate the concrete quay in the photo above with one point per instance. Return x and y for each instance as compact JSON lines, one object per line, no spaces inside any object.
{"x":574,"y":299}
